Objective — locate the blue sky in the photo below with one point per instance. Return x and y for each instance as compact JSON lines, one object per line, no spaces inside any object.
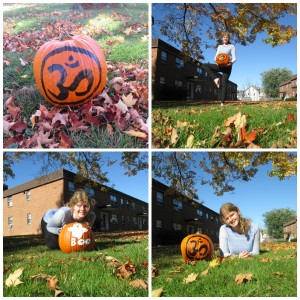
{"x":262,"y":56}
{"x":254,"y":198}
{"x":135,"y":186}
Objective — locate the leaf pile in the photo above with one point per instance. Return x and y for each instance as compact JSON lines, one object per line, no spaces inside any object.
{"x":122,"y":106}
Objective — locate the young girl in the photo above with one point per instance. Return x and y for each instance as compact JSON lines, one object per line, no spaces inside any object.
{"x":78,"y":209}
{"x":238,"y":236}
{"x":213,"y":69}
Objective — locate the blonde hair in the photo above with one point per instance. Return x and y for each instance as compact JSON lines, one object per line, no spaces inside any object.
{"x":229,"y":207}
{"x":82,"y":195}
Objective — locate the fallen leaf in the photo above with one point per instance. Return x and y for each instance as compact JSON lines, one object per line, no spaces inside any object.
{"x":157,"y":293}
{"x":243,"y":278}
{"x":214,"y":263}
{"x":205,"y":272}
{"x":174,"y":136}
{"x":13,"y":278}
{"x":139,"y":283}
{"x":52,"y":283}
{"x":191,"y":277}
{"x":190,"y":141}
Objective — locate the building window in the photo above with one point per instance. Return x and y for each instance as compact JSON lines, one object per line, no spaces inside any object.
{"x":28,"y":195}
{"x":159,"y":198}
{"x":134,"y":220}
{"x":190,"y":229}
{"x":9,"y":201}
{"x":199,"y":71}
{"x":29,"y":218}
{"x":90,"y":191}
{"x":179,"y":63}
{"x":164,"y":56}
{"x":114,"y":219}
{"x":212,"y":218}
{"x":10,"y":222}
{"x":199,"y":213}
{"x":199,"y":229}
{"x":122,"y":201}
{"x":123,"y":219}
{"x":113,"y":199}
{"x":133,"y":205}
{"x":177,"y":205}
{"x":71,"y":186}
{"x":178,"y":83}
{"x":158,"y":223}
{"x":207,"y":216}
{"x":198,"y":88}
{"x":177,"y":227}
{"x":162,"y":80}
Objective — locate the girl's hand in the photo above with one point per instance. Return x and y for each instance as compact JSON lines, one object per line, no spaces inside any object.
{"x":244,"y":254}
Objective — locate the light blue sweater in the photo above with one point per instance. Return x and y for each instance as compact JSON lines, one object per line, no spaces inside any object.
{"x":233,"y":243}
{"x":58,"y":217}
{"x":228,"y":49}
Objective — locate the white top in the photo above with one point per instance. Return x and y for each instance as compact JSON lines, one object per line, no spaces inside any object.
{"x":228,"y":49}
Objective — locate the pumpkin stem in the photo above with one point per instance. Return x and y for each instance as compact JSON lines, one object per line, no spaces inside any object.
{"x":65,"y":36}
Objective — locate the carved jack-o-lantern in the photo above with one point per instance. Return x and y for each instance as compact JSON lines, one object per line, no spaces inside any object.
{"x":196,"y":247}
{"x":75,"y":237}
{"x":70,"y":72}
{"x":222,"y":59}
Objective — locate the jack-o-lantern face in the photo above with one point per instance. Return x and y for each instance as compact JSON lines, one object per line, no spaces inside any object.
{"x":197,"y":247}
{"x":222,"y":59}
{"x":75,"y":237}
{"x":70,"y":72}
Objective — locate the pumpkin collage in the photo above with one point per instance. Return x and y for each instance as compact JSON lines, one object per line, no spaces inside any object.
{"x":131,"y":79}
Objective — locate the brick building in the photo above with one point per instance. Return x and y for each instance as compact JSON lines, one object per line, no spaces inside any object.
{"x":174,"y":217}
{"x":24,"y":205}
{"x":288,"y":89}
{"x":290,"y":230}
{"x":176,"y":79}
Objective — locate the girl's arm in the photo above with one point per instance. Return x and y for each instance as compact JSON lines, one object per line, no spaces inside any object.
{"x":255,"y":249}
{"x":55,"y":224}
{"x":223,"y":241}
{"x":233,"y":54}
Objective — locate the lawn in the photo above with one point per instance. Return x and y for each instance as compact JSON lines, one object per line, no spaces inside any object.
{"x":273,"y":273}
{"x":235,"y":125}
{"x":116,"y":118}
{"x":118,"y":267}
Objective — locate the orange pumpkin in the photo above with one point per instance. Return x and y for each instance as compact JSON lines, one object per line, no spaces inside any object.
{"x":196,"y":247}
{"x":70,"y":72}
{"x":75,"y":237}
{"x":222,"y":59}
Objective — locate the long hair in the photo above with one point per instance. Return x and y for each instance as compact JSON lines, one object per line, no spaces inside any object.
{"x":228,"y":208}
{"x":82,"y":195}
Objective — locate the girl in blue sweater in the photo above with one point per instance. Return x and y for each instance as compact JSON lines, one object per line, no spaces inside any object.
{"x":238,"y":236}
{"x":214,"y":69}
{"x":78,"y":209}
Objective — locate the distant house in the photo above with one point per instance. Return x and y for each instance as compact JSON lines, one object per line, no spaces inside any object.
{"x":290,"y":230}
{"x":174,"y":78}
{"x":253,"y":93}
{"x":288,"y":89}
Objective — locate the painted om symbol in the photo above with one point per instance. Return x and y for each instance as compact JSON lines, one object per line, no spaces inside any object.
{"x":200,"y":250}
{"x":64,"y":90}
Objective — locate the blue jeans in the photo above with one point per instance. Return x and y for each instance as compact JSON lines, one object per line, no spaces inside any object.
{"x":213,"y":71}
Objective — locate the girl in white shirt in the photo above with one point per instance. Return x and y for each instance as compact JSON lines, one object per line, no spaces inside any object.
{"x":214,"y":69}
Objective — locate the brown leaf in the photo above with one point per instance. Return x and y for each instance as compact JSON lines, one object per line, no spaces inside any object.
{"x":205,"y":272}
{"x":52,"y":283}
{"x":126,"y":270}
{"x":139,"y":283}
{"x":243,"y":278}
{"x":174,"y":136}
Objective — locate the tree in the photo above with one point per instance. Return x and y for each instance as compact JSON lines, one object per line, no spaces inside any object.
{"x":195,"y":25}
{"x":89,"y":165}
{"x":272,"y":78}
{"x":276,"y":218}
{"x":221,"y":170}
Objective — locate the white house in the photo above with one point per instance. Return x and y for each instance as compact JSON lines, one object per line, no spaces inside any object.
{"x":253,"y":93}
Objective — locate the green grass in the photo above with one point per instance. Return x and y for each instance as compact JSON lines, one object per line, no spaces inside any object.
{"x":85,"y":274}
{"x":274,"y":274}
{"x":270,"y":120}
